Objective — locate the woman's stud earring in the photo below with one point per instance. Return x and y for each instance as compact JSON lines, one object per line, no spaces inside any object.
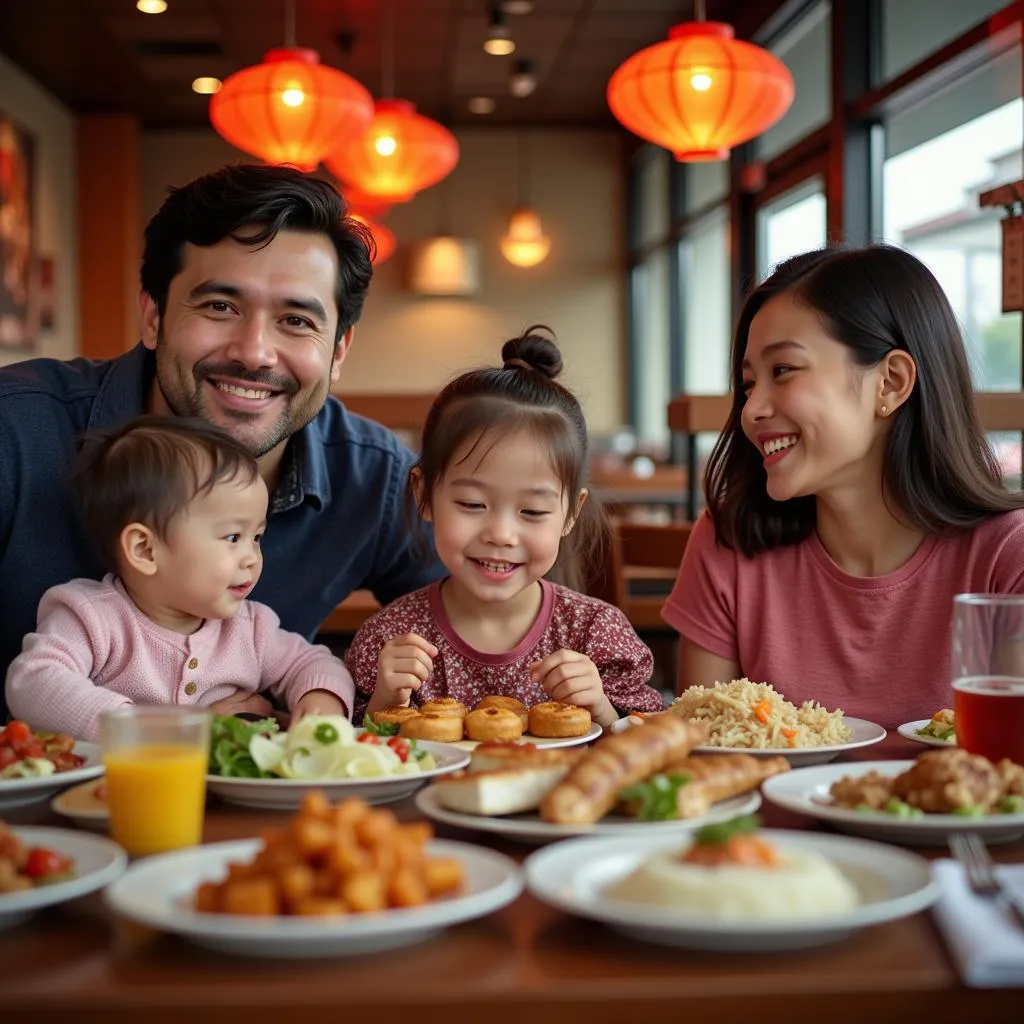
{"x":884,"y":410}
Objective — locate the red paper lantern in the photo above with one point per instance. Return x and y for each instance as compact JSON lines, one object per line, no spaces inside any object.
{"x":384,"y":238}
{"x":700,"y":93}
{"x":360,"y":202}
{"x":400,"y":154}
{"x":290,"y":109}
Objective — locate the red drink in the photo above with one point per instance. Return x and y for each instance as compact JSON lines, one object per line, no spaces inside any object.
{"x":989,"y":716}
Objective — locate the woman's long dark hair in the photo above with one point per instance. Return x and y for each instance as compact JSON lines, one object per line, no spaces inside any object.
{"x":939,"y":473}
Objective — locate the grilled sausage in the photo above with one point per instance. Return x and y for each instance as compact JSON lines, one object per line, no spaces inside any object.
{"x":592,"y":787}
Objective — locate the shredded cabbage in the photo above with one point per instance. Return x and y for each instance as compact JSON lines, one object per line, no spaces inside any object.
{"x":325,"y":747}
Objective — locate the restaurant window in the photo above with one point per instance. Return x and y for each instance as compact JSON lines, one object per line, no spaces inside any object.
{"x":974,"y":132}
{"x":651,"y":360}
{"x":792,"y":223}
{"x":707,"y":317}
{"x":652,"y":182}
{"x":705,"y":184}
{"x":806,"y":50}
{"x":912,"y":29}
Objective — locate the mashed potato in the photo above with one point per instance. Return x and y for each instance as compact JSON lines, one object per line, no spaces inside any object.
{"x":802,"y":884}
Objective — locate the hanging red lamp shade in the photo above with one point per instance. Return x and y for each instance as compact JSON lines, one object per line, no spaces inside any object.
{"x":701,"y":92}
{"x":360,"y":202}
{"x":290,"y":109}
{"x":400,"y":154}
{"x":383,"y":238}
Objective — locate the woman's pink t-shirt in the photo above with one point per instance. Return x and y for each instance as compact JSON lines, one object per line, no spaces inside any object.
{"x":878,"y":647}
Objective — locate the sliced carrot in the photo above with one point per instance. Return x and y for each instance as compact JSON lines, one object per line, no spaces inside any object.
{"x":761,"y":710}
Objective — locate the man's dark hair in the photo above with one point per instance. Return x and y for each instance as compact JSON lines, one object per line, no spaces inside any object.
{"x":251,"y":203}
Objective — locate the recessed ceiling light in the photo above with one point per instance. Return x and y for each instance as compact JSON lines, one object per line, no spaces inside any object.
{"x":206,"y":86}
{"x":517,"y":6}
{"x":151,"y":6}
{"x":481,"y":105}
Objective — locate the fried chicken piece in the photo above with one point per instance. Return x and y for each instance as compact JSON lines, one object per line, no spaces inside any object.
{"x":1012,"y":777}
{"x":870,"y":790}
{"x":944,"y":781}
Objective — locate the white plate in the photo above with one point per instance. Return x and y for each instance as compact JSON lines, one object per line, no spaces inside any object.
{"x":18,"y":792}
{"x":532,"y":829}
{"x":82,"y":807}
{"x":806,"y":791}
{"x":287,"y":794}
{"x":98,"y":862}
{"x":909,"y":732}
{"x":865,"y":734}
{"x":539,"y":741}
{"x":573,"y":876}
{"x":157,"y":891}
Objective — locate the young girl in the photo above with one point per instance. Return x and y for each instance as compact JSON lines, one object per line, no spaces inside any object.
{"x":500,"y":478}
{"x":850,"y":496}
{"x":176,"y":509}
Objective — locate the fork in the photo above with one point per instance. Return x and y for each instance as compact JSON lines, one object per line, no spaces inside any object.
{"x":971,"y":852}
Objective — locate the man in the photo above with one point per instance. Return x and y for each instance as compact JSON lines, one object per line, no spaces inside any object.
{"x":252,"y":281}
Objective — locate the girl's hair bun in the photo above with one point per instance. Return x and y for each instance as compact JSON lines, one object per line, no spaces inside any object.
{"x":533,"y":350}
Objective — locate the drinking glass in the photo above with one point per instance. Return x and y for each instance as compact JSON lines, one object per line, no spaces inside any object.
{"x":156,"y":760}
{"x":988,"y":674}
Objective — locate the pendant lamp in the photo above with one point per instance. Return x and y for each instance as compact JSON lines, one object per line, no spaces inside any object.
{"x":402,"y":152}
{"x":383,"y":238}
{"x":360,"y":202}
{"x":290,"y":109}
{"x":702,"y":92}
{"x":524,"y":244}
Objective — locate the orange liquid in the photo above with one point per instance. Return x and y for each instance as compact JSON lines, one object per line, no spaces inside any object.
{"x":156,"y":796}
{"x":989,"y":717}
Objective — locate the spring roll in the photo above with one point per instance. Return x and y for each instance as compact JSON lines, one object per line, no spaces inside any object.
{"x":688,"y":787}
{"x":592,"y":787}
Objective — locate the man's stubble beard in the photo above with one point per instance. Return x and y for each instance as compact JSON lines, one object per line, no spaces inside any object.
{"x":188,"y":401}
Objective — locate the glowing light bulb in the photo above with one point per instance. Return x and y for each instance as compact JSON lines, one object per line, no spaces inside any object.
{"x":701,"y":81}
{"x":206,"y":86}
{"x":293,"y":97}
{"x":385,"y":145}
{"x":151,"y":6}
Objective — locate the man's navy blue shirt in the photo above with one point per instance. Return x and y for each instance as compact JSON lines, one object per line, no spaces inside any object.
{"x":336,"y":521}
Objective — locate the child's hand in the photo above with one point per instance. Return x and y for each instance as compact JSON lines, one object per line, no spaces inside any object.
{"x":573,"y":678}
{"x":240,"y":701}
{"x":404,"y":665}
{"x":318,"y":702}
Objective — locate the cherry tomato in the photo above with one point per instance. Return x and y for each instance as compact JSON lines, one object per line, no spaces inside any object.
{"x":17,"y":732}
{"x":368,"y":737}
{"x":42,"y":862}
{"x":400,"y":746}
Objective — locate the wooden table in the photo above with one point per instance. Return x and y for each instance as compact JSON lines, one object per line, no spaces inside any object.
{"x":524,"y":965}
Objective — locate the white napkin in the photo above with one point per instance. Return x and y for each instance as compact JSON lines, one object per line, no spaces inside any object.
{"x":985,"y":941}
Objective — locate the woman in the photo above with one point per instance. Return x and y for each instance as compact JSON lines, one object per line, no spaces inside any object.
{"x":850,"y":496}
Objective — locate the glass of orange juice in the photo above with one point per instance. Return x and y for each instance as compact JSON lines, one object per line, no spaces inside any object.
{"x":156,"y":760}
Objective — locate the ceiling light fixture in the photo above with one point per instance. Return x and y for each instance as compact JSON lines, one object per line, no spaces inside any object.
{"x":205,"y":85}
{"x":524,"y":79}
{"x":481,"y":105}
{"x":402,"y":152}
{"x":151,"y":6}
{"x":702,"y":92}
{"x":499,"y":42}
{"x":524,"y":244}
{"x":290,"y":109}
{"x":517,"y":6}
